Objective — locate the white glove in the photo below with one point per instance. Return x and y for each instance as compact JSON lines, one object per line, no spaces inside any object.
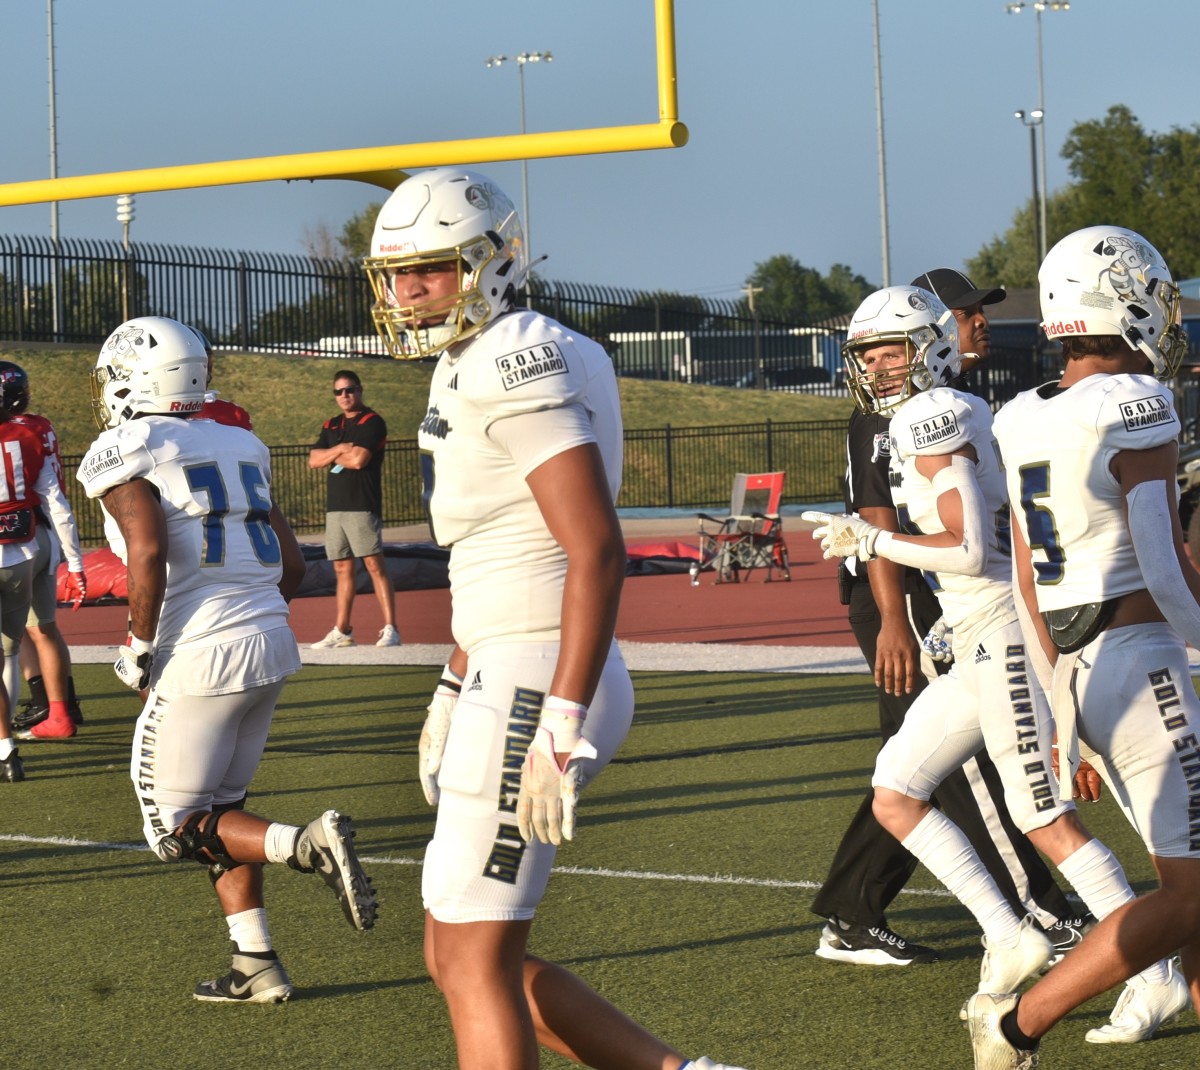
{"x":133,"y":663}
{"x":549,"y":792}
{"x":842,"y":535}
{"x":435,"y":731}
{"x":937,"y":644}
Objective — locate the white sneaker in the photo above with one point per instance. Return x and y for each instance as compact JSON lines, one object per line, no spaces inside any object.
{"x":389,"y":636}
{"x":988,"y":1043}
{"x":1142,"y":1009}
{"x":705,"y":1063}
{"x":333,"y":639}
{"x":1004,"y":968}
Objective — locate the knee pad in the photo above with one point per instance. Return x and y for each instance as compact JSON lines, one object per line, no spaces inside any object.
{"x":198,"y":838}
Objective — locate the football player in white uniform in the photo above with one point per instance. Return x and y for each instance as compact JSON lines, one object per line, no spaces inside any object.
{"x":523,"y":451}
{"x":211,"y":563}
{"x":1091,"y":463}
{"x":952,"y":501}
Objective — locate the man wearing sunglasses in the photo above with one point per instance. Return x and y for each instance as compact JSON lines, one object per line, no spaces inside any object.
{"x":351,"y":446}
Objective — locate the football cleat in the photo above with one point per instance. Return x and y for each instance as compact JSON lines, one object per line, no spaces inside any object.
{"x":705,"y":1063}
{"x":990,"y":1046}
{"x":326,"y":846}
{"x":335,"y":638}
{"x":252,"y":980}
{"x":12,"y":768}
{"x":49,"y":729}
{"x":1004,"y":968}
{"x":29,"y":714}
{"x":1142,"y":1009}
{"x":873,"y":945}
{"x":1065,"y":934}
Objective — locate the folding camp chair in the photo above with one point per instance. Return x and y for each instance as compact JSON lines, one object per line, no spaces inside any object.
{"x":750,"y":537}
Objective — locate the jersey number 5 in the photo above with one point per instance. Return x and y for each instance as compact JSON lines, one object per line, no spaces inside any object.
{"x":1043,"y":532}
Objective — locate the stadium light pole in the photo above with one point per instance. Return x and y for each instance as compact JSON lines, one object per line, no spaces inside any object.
{"x":55,"y":292}
{"x":1015,"y":7}
{"x":521,"y":60}
{"x":1033,"y":120}
{"x":883,"y":205}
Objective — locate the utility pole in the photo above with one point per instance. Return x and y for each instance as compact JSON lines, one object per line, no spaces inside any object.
{"x":759,"y":375}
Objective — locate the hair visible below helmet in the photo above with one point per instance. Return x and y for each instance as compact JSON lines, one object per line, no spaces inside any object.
{"x":149,"y":365}
{"x":14,"y":389}
{"x":445,"y":215}
{"x":1110,"y":280}
{"x":917,"y":319}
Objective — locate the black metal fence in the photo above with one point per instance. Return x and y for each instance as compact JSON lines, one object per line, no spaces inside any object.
{"x":681,"y":467}
{"x":76,"y":291}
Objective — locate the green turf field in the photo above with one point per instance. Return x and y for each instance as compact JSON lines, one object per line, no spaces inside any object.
{"x":684,"y":898}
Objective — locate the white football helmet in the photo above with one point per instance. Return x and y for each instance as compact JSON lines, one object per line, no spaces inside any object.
{"x":1110,"y":280}
{"x":149,"y":365}
{"x":445,"y":215}
{"x":917,"y":319}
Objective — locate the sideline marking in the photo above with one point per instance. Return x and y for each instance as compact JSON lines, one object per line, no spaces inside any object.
{"x":577,"y":871}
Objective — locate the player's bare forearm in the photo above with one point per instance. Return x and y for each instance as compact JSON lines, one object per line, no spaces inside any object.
{"x":135,"y":508}
{"x":572,"y":493}
{"x":294,"y":565}
{"x":591,"y":597}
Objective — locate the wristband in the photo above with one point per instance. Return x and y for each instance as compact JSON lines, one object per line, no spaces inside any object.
{"x":564,"y":706}
{"x":139,"y":646}
{"x":450,"y":680}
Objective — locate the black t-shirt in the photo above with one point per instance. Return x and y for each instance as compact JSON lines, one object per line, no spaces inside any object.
{"x":356,"y":490}
{"x":868,"y":455}
{"x":868,"y":461}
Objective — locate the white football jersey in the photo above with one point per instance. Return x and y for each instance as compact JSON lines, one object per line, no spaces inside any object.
{"x":223,"y":559}
{"x":521,"y":391}
{"x":1057,"y":446}
{"x":934,"y":423}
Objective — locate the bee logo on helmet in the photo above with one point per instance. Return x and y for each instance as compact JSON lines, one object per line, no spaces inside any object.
{"x":1110,"y":280}
{"x":148,"y":366}
{"x":909,"y":317}
{"x":441,"y":220}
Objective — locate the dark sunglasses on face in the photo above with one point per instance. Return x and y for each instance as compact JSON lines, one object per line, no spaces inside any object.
{"x":339,"y":391}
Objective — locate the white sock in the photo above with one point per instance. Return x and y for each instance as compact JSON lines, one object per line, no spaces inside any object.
{"x":12,"y":680}
{"x":949,"y":856}
{"x":280,"y":843}
{"x":1094,"y":872}
{"x":7,"y":746}
{"x":248,"y":930}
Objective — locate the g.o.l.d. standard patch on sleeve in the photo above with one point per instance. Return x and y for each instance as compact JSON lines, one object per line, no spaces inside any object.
{"x":528,"y":365}
{"x":930,"y":432}
{"x":103,"y":460}
{"x":1146,"y":412}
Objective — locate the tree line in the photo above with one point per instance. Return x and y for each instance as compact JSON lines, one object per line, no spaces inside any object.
{"x":1120,"y":173}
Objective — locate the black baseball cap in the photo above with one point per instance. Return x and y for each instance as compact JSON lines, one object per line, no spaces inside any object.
{"x":955,"y":290}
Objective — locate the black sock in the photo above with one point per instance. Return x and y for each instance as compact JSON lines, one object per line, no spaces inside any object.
{"x":37,"y":691}
{"x":1012,"y":1032}
{"x":266,"y":956}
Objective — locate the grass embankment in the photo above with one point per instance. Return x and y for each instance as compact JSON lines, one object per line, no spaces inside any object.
{"x":289,"y":397}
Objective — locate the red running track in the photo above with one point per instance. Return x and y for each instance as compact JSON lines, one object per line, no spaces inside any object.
{"x":654,"y":609}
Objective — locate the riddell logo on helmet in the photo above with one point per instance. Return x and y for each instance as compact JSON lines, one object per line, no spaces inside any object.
{"x":397,"y":247}
{"x":1053,"y":330}
{"x":186,"y":406}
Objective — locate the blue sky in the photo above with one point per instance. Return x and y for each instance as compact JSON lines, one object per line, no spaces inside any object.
{"x":779,"y":97}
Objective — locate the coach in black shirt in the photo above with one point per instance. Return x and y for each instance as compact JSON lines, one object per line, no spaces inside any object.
{"x":351,"y":446}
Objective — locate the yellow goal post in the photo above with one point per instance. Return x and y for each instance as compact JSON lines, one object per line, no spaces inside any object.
{"x":387,"y":166}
